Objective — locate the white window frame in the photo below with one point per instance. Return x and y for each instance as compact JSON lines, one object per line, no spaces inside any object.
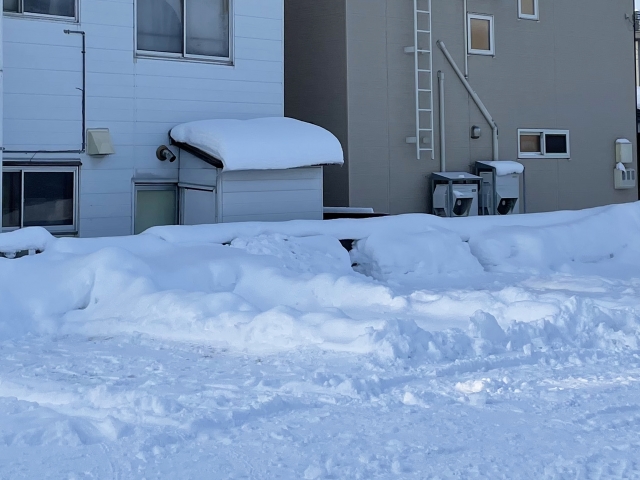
{"x":492,"y":37}
{"x":543,"y":132}
{"x":22,"y":14}
{"x":524,"y":16}
{"x":184,"y":56}
{"x":152,"y":184}
{"x":61,"y":229}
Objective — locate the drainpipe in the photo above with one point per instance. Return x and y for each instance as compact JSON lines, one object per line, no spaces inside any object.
{"x":443,"y":156}
{"x":474,"y":96}
{"x":466,"y":38}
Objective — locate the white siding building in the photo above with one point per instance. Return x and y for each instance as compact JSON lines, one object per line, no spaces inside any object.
{"x":137,"y":68}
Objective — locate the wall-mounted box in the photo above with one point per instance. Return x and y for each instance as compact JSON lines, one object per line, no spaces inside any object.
{"x":99,"y":142}
{"x":624,"y":151}
{"x":623,"y":179}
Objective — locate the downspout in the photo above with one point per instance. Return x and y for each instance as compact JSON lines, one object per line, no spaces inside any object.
{"x":443,"y":155}
{"x":474,"y":96}
{"x":466,"y":38}
{"x":84,"y":103}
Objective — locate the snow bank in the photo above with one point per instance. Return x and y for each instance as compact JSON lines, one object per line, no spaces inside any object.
{"x":261,"y":143}
{"x":31,"y":238}
{"x":611,"y":235}
{"x":392,"y":255}
{"x":275,"y":287}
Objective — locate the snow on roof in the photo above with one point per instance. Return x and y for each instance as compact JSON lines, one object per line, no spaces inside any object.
{"x":261,"y":143}
{"x":506,"y":167}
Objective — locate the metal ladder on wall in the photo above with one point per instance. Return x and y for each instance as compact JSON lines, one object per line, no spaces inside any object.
{"x":422,"y":47}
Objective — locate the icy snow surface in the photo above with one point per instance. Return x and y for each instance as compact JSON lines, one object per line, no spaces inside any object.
{"x":466,"y":348}
{"x":261,"y":143}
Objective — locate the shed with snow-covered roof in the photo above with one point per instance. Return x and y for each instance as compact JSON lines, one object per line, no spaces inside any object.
{"x":264,"y":169}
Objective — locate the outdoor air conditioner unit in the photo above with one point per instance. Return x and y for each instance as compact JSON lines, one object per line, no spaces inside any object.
{"x":455,"y":194}
{"x":500,"y":190}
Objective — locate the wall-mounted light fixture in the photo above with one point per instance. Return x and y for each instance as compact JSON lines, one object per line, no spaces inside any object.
{"x":163,"y":153}
{"x":476,"y":132}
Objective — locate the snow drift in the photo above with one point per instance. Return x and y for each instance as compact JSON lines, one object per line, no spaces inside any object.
{"x":271,"y":287}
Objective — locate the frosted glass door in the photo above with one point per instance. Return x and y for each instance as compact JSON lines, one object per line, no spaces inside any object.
{"x":155,"y":207}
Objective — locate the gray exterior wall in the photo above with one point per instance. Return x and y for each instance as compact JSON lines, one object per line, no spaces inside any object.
{"x":573,"y":69}
{"x":317,"y":78}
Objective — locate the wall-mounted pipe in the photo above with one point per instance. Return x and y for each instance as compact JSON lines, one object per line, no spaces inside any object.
{"x":466,"y":38}
{"x":84,"y":103}
{"x":474,"y":96}
{"x":443,"y":153}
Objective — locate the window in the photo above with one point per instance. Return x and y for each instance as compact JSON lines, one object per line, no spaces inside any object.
{"x":543,"y":144}
{"x":154,"y":205}
{"x":53,"y":8}
{"x":40,"y":197}
{"x":184,"y":28}
{"x":528,"y":9}
{"x":481,"y":38}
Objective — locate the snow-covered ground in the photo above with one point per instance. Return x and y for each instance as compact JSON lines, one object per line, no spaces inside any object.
{"x":436,"y":348}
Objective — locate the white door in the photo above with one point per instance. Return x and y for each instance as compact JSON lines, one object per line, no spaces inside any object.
{"x":197,"y":207}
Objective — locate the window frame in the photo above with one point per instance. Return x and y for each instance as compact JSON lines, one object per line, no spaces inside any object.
{"x":543,"y":132}
{"x":184,"y":56}
{"x":56,"y":229}
{"x":492,"y":37}
{"x":43,"y":16}
{"x":524,"y":16}
{"x":153,"y":185}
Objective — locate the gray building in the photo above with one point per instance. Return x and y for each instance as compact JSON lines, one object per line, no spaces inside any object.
{"x":557,"y":77}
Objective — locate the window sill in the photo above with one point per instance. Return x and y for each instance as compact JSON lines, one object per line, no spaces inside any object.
{"x":482,"y":52}
{"x":36,"y":16}
{"x":544,"y":157}
{"x":227,"y":62}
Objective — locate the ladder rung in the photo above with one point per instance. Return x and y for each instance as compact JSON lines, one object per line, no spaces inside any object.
{"x":425,"y":129}
{"x":424,"y":70}
{"x":423,"y":11}
{"x":424,"y":109}
{"x":426,"y":149}
{"x":423,"y":31}
{"x":424,"y":89}
{"x":420,"y":50}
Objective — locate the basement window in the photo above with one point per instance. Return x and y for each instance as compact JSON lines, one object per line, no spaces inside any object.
{"x":40,"y":197}
{"x":543,"y":144}
{"x":192,"y":29}
{"x":63,"y":9}
{"x":481,"y":36}
{"x":528,"y":9}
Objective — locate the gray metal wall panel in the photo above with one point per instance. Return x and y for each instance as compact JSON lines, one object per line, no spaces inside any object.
{"x":316,"y":78}
{"x":573,"y":69}
{"x":281,"y":194}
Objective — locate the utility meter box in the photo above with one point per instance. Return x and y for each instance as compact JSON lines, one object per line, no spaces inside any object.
{"x":455,"y":194}
{"x":624,"y":179}
{"x":624,"y":151}
{"x":500,"y":188}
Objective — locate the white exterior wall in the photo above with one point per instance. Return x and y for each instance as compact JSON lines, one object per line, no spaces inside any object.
{"x":138,"y":99}
{"x":270,"y":195}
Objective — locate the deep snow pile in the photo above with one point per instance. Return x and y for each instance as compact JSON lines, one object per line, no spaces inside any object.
{"x":277,"y":287}
{"x":469,"y":348}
